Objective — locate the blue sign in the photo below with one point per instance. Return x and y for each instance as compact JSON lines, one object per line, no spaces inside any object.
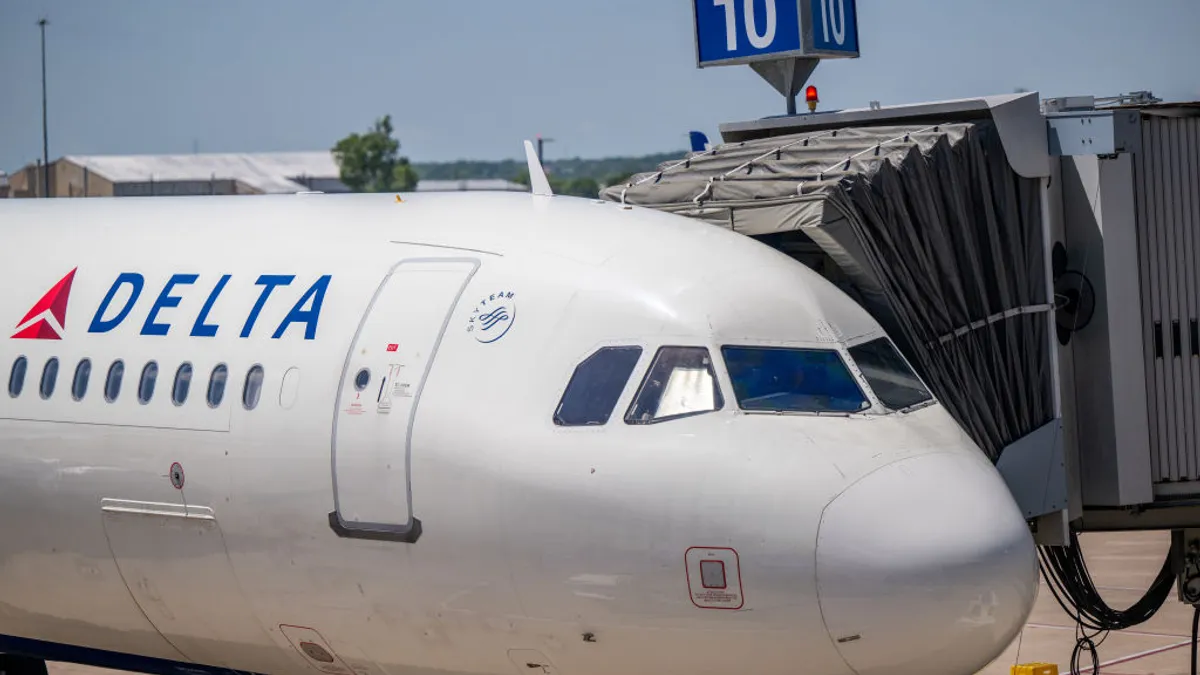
{"x":834,"y":26}
{"x":741,"y":31}
{"x":736,"y":29}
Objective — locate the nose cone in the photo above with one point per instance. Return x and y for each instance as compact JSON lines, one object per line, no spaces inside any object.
{"x":925,"y":566}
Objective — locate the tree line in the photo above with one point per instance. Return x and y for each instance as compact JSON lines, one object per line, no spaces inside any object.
{"x":371,"y":162}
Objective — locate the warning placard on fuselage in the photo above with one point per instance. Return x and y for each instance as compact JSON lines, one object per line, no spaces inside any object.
{"x":714,"y":577}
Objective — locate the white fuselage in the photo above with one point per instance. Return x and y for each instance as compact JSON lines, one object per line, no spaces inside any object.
{"x":879,"y":541}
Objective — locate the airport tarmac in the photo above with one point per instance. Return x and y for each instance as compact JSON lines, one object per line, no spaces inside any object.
{"x":1122,"y":565}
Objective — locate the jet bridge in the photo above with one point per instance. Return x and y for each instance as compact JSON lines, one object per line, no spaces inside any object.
{"x":1035,"y":261}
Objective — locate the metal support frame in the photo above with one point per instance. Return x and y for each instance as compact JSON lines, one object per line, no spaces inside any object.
{"x":1167,"y":516}
{"x":1034,"y":470}
{"x":1185,"y":551}
{"x":787,"y":76}
{"x":1094,"y":132}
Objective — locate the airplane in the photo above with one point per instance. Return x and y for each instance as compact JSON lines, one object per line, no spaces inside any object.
{"x":481,"y":433}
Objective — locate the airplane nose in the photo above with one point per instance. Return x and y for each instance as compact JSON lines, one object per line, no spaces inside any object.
{"x":925,"y":566}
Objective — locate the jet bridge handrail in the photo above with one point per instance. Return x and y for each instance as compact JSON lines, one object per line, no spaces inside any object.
{"x":998,"y":316}
{"x":774,"y":151}
{"x":820,"y":174}
{"x":658,"y":174}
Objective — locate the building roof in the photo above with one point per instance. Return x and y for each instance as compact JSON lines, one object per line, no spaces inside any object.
{"x":270,"y":172}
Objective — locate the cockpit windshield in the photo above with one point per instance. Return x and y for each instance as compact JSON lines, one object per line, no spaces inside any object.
{"x":681,"y":382}
{"x":886,"y":371}
{"x":773,"y":379}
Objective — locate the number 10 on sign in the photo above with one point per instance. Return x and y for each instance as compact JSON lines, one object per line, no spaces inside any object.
{"x":742,"y":31}
{"x":834,"y":25}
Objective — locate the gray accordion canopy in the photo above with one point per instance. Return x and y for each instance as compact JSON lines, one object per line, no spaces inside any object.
{"x":934,"y":233}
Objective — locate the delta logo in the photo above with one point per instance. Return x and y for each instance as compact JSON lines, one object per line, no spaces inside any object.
{"x":47,"y":319}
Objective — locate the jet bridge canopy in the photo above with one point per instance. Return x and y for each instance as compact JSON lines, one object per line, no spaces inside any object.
{"x":926,"y":224}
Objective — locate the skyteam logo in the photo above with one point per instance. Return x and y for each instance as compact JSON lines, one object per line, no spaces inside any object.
{"x":47,"y":319}
{"x":493,"y":317}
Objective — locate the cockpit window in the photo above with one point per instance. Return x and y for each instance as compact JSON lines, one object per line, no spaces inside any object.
{"x":773,"y":379}
{"x":886,"y":371}
{"x":595,"y":386}
{"x":681,"y":382}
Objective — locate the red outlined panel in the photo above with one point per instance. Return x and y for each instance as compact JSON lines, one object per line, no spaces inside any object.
{"x":714,"y":577}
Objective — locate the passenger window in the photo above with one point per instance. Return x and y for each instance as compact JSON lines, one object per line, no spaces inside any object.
{"x":16,"y":378}
{"x":776,"y":379}
{"x":253,"y":389}
{"x":216,"y":385}
{"x":183,"y":382}
{"x":896,"y":385}
{"x":146,"y":385}
{"x":681,"y":382}
{"x":112,"y":383}
{"x":79,"y":385}
{"x":595,"y":386}
{"x":49,"y":378}
{"x":289,"y":389}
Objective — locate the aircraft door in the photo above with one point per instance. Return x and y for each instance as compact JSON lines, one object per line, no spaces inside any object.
{"x":385,"y":372}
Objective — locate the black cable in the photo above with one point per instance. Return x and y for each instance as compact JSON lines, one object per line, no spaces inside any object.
{"x":1067,"y":576}
{"x":1071,"y":583}
{"x":1195,"y":625}
{"x":1081,"y":645}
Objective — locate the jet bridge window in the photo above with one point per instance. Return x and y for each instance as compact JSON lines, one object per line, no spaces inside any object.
{"x":896,"y":385}
{"x":595,"y":386}
{"x":773,"y":379}
{"x":16,"y":378}
{"x":681,"y":382}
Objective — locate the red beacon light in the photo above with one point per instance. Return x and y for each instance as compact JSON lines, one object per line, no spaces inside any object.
{"x":810,"y":97}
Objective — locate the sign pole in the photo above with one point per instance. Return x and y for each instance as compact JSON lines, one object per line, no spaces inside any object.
{"x":45,"y":133}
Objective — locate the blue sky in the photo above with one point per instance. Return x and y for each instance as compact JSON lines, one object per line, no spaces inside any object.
{"x":472,"y":78}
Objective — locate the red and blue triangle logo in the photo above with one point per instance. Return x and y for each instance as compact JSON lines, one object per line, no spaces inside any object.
{"x":48,"y":317}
